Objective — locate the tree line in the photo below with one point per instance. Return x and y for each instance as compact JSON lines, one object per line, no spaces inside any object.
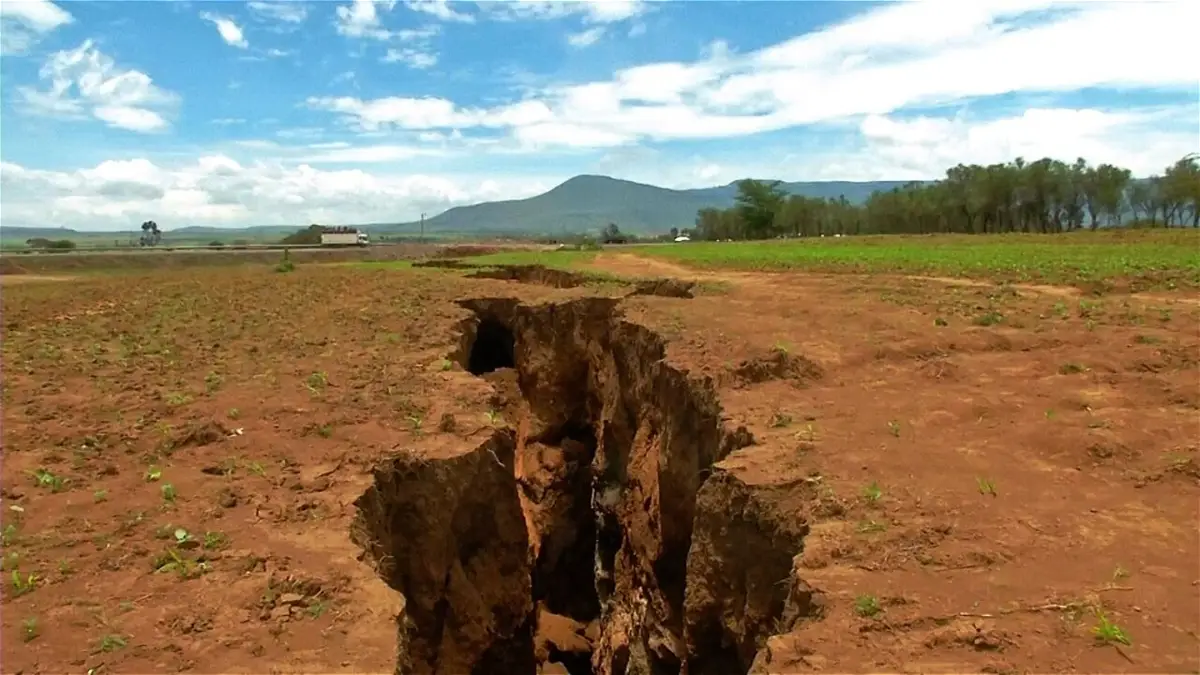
{"x":1047,"y":196}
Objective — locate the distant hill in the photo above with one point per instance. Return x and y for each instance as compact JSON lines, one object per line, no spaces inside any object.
{"x":580,"y":204}
{"x":591,"y":202}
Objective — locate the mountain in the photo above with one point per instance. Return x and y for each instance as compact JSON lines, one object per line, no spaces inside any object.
{"x":591,"y":202}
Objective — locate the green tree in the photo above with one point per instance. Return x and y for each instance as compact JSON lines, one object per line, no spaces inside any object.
{"x":757,"y":203}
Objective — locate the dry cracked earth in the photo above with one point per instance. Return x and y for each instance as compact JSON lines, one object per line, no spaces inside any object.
{"x":522,"y":470}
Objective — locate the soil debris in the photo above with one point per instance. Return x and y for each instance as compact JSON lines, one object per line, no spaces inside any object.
{"x":778,"y":365}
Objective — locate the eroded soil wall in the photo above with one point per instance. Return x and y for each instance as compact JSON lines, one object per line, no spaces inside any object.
{"x":583,"y":516}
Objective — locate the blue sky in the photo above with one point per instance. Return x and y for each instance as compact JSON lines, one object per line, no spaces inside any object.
{"x":242,"y":113}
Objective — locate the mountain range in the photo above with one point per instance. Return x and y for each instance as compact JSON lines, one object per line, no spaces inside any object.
{"x":580,"y":204}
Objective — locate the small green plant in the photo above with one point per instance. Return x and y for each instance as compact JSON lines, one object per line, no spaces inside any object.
{"x":214,"y":541}
{"x":168,"y":493}
{"x":325,"y":431}
{"x":100,"y":496}
{"x":177,"y":399}
{"x":153,"y":474}
{"x":867,"y":606}
{"x":415,"y":421}
{"x":64,"y":567}
{"x":872,"y":493}
{"x":1146,"y":340}
{"x":445,"y":364}
{"x":894,"y":428}
{"x":212,"y":382}
{"x":256,"y":469}
{"x":171,"y":560}
{"x":1120,"y":573}
{"x":317,"y":608}
{"x":988,"y":319}
{"x":940,"y":322}
{"x":233,"y":413}
{"x":9,"y":535}
{"x":23,"y":583}
{"x":1070,"y":369}
{"x":45,"y":479}
{"x":986,"y":486}
{"x":493,"y":417}
{"x":29,"y":629}
{"x":317,"y":382}
{"x":111,"y":643}
{"x":1108,"y":632}
{"x":285,"y":263}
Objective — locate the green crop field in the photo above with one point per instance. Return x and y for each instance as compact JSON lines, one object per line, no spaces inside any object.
{"x":1141,"y":259}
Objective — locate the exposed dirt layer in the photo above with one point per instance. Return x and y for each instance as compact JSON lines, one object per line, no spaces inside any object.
{"x":533,"y":274}
{"x":981,"y":479}
{"x":581,"y":515}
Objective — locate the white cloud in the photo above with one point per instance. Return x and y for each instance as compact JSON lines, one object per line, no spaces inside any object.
{"x":284,"y":12}
{"x":24,"y":22}
{"x":885,"y":60}
{"x":360,"y":19}
{"x":413,"y":58}
{"x":229,"y":31}
{"x":440,"y":9}
{"x":124,"y":99}
{"x":586,"y":38}
{"x":1143,"y":140}
{"x":218,"y":190}
{"x":592,"y":11}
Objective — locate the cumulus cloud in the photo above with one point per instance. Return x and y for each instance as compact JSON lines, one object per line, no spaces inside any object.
{"x":440,"y":9}
{"x":84,"y":82}
{"x":218,"y":190}
{"x":586,"y":38}
{"x":24,"y":22}
{"x":360,"y":19}
{"x":885,"y":60}
{"x":229,"y":31}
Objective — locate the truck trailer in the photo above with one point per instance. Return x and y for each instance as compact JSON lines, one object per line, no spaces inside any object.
{"x":344,"y":236}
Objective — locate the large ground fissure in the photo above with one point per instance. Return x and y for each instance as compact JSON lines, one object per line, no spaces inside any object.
{"x":567,"y":543}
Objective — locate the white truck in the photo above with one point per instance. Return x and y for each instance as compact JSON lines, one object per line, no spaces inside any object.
{"x":344,"y":236}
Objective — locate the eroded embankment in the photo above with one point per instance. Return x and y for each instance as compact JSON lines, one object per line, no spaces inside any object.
{"x":596,"y":537}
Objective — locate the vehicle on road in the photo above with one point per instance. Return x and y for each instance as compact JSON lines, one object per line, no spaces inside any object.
{"x":344,"y":236}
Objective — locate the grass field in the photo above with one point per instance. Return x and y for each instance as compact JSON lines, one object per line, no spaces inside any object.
{"x":1139,"y":260}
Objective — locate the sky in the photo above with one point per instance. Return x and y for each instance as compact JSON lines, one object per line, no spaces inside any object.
{"x":231,"y":114}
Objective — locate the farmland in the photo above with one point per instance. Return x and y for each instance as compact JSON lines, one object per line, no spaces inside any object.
{"x":933,"y":454}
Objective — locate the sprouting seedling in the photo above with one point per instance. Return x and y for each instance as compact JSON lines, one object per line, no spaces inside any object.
{"x":867,"y":605}
{"x":1107,"y":631}
{"x":779,"y":420}
{"x":215,"y":540}
{"x":872,"y":493}
{"x":415,"y":421}
{"x":493,"y":417}
{"x":153,"y":474}
{"x":29,"y":629}
{"x":316,"y":382}
{"x":100,"y":496}
{"x":445,"y":364}
{"x":23,"y":583}
{"x":8,"y":536}
{"x":212,"y":382}
{"x":986,"y":486}
{"x":894,"y":428}
{"x":44,"y":478}
{"x":111,"y":643}
{"x":1119,"y":573}
{"x":168,"y":493}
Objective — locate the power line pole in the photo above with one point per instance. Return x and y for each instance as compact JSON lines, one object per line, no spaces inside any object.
{"x":422,"y":228}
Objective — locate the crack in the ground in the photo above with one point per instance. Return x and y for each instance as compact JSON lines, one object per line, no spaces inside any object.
{"x":598,"y":537}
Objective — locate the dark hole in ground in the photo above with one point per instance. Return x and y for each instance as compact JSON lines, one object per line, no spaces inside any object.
{"x":492,"y":349}
{"x":576,"y":663}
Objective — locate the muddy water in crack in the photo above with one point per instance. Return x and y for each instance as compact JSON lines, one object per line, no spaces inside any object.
{"x":563,"y":545}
